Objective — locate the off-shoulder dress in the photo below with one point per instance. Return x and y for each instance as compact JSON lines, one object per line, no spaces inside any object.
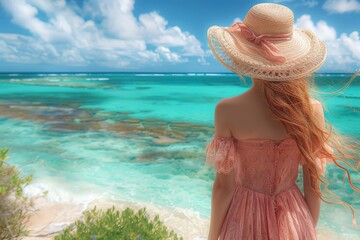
{"x":267,"y":203}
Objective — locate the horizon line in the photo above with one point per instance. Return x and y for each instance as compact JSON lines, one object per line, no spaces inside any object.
{"x":146,"y":72}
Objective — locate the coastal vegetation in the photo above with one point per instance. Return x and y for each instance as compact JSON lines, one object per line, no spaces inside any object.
{"x":112,"y":224}
{"x":14,"y":205}
{"x":94,"y":223}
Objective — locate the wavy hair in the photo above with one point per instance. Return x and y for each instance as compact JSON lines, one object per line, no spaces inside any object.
{"x":290,"y":102}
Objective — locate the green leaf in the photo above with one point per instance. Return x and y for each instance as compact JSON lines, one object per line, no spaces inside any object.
{"x":112,"y":224}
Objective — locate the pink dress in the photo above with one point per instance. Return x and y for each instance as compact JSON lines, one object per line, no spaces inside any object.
{"x":267,"y":202}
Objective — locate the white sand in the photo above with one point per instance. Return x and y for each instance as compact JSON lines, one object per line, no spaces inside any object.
{"x":52,"y":217}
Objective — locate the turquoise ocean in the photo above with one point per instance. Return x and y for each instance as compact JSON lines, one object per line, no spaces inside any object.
{"x":142,"y":136}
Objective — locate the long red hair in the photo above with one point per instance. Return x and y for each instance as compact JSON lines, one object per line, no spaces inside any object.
{"x":290,"y":102}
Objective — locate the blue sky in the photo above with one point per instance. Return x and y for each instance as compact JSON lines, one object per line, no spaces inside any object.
{"x":155,"y":36}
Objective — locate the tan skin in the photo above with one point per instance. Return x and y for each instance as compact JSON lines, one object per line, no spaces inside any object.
{"x":247,"y":116}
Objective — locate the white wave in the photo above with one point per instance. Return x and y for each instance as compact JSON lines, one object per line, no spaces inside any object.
{"x":57,"y":193}
{"x":216,"y":74}
{"x":149,"y":74}
{"x":21,"y":80}
{"x":178,"y":74}
{"x":97,"y":79}
{"x":196,"y":74}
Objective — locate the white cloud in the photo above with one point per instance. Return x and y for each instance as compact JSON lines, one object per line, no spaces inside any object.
{"x":170,"y":56}
{"x":343,"y":52}
{"x":150,"y":27}
{"x":155,"y":30}
{"x":203,"y":61}
{"x":321,"y":28}
{"x":22,"y":49}
{"x":341,"y":6}
{"x":352,"y":43}
{"x":24,"y":14}
{"x":110,"y":34}
{"x":237,"y":20}
{"x":117,"y":18}
{"x":48,"y":6}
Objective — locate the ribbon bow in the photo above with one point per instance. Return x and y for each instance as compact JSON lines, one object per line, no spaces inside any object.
{"x":270,"y":51}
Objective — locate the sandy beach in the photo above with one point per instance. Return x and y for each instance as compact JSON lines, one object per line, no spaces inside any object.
{"x":115,"y":103}
{"x":49,"y":218}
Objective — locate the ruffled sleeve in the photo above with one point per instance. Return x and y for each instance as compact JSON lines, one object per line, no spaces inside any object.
{"x":220,"y":154}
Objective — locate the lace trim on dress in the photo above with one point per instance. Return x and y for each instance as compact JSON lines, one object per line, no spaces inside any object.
{"x":220,"y":153}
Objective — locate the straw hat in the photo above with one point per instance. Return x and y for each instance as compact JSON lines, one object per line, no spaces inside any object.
{"x":266,"y":45}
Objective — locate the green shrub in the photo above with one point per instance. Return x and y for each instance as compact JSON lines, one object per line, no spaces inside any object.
{"x":113,"y":225}
{"x":13,"y":204}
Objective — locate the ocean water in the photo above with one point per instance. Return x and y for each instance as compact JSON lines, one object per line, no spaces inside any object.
{"x":141,"y":137}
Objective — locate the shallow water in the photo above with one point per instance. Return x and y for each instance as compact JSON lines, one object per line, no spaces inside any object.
{"x":139,"y":137}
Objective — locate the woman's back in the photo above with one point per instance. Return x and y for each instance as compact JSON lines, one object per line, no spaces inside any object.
{"x":263,"y":135}
{"x":266,"y":203}
{"x":249,"y":116}
{"x":264,"y":161}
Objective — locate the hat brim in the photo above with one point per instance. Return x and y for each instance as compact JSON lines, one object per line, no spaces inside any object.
{"x":304,"y":54}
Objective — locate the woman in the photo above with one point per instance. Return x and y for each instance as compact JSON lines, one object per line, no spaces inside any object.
{"x":263,"y":135}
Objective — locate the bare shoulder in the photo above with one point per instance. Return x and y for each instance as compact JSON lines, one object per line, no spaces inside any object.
{"x":315,"y":102}
{"x":230,"y":110}
{"x":223,"y":108}
{"x":318,"y":111}
{"x":226,"y":105}
{"x":317,"y":106}
{"x":222,"y":116}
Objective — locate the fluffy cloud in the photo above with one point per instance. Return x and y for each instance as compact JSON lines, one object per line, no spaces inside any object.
{"x":168,"y":55}
{"x":343,"y":51}
{"x":99,"y":32}
{"x":24,"y":14}
{"x":237,"y":20}
{"x":321,"y":28}
{"x":352,"y":43}
{"x":22,"y":49}
{"x":154,"y":28}
{"x":341,"y":6}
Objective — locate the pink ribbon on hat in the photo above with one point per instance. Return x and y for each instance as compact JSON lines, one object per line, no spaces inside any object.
{"x":271,"y":52}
